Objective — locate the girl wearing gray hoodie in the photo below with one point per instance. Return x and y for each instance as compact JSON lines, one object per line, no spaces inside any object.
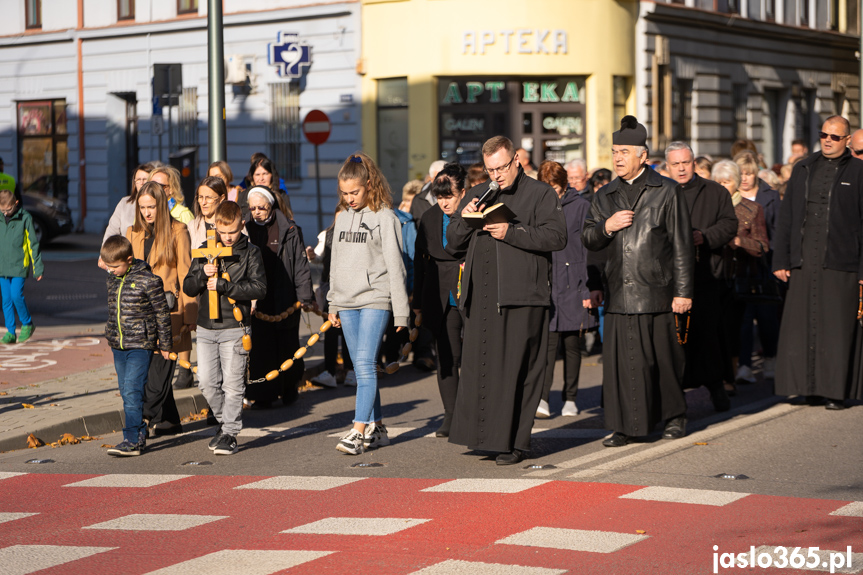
{"x":367,"y":288}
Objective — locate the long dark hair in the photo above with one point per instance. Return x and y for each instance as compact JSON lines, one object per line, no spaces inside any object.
{"x":261,"y":160}
{"x":133,"y":193}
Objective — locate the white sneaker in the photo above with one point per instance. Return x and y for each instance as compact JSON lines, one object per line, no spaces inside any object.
{"x":542,"y":411}
{"x":769,"y":368}
{"x":325,"y":379}
{"x":351,"y":378}
{"x":351,"y":443}
{"x":744,"y":375}
{"x":376,"y":436}
{"x":569,"y":409}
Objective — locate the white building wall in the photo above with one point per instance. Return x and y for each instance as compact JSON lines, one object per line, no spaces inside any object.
{"x":100,"y":13}
{"x":58,"y":14}
{"x":12,"y":21}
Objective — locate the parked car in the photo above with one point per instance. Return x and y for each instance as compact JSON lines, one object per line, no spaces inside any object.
{"x":51,"y":217}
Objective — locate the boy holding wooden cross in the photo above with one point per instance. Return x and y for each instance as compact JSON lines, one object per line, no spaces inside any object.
{"x":234,"y":272}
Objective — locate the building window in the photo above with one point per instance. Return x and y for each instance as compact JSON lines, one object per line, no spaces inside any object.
{"x":43,"y":153}
{"x":187,"y":124}
{"x":728,"y":6}
{"x":125,"y":9}
{"x":283,"y":129}
{"x":682,"y":109}
{"x":803,"y":12}
{"x":661,"y":94}
{"x":621,"y":95}
{"x":392,"y":116}
{"x":741,"y":105}
{"x":33,"y":13}
{"x":187,"y":6}
{"x":770,"y":10}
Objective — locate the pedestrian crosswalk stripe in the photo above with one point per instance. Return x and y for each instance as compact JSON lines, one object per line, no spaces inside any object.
{"x":455,"y":567}
{"x":573,"y":539}
{"x":680,"y":495}
{"x":277,"y":431}
{"x":126,"y":480}
{"x":486,"y":486}
{"x":536,"y":432}
{"x":156,"y":522}
{"x":290,"y":482}
{"x":24,"y":559}
{"x":247,"y":562}
{"x":10,"y":474}
{"x":358,"y":526}
{"x":853,"y":509}
{"x":5,"y":517}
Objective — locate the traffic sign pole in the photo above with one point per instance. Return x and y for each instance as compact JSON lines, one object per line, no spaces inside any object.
{"x":317,"y":127}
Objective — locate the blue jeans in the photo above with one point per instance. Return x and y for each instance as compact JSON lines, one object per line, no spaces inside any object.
{"x":12,"y":291}
{"x":364,"y":331}
{"x":132,"y":366}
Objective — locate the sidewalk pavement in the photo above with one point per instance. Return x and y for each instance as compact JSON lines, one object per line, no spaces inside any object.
{"x":66,"y":373}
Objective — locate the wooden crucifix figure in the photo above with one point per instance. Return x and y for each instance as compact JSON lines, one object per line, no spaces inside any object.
{"x":211,"y":253}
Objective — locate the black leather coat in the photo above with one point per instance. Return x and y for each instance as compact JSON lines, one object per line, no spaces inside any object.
{"x":248,"y":281}
{"x":652,"y":261}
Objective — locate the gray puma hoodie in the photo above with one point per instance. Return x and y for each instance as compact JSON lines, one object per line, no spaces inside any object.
{"x":366,"y":269}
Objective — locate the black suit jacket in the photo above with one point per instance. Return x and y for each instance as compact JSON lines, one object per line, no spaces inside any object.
{"x":435,"y":270}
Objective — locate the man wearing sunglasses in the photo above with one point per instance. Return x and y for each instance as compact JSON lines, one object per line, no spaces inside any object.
{"x":855,"y":144}
{"x":819,"y":243}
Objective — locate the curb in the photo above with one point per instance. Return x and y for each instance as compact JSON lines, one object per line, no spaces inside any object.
{"x":188,"y":401}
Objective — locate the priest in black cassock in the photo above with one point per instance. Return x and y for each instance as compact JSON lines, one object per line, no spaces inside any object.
{"x":642,"y":221}
{"x":818,"y":250}
{"x":714,"y":224}
{"x":505,"y":296}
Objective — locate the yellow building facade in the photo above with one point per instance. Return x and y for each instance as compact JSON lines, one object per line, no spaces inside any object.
{"x":441,"y":76}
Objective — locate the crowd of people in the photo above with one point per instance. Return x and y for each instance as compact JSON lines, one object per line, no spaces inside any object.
{"x":675,"y":270}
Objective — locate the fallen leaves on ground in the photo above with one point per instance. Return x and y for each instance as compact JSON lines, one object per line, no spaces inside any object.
{"x":33,"y":442}
{"x":701,"y":443}
{"x":640,"y":531}
{"x":197,"y":416}
{"x":4,"y":393}
{"x":106,"y":446}
{"x":28,"y":406}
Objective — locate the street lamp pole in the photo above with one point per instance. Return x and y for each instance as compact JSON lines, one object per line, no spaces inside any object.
{"x":216,"y":58}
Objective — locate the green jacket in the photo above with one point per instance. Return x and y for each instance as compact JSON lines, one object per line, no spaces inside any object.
{"x":19,"y":248}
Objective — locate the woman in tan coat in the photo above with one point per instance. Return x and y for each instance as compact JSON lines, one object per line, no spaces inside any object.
{"x":164,"y":243}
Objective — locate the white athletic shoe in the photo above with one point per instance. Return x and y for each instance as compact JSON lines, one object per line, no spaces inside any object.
{"x":769,"y":368}
{"x":744,"y":375}
{"x":376,"y":436}
{"x":325,"y":379}
{"x":351,"y":378}
{"x":542,"y":412}
{"x":351,"y":443}
{"x":569,"y":409}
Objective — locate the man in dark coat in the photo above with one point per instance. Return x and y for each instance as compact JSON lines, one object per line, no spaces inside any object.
{"x":643,"y":220}
{"x":713,"y":226}
{"x":505,"y":297}
{"x":819,"y":243}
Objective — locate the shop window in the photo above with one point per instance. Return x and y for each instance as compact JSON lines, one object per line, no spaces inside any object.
{"x":125,"y":9}
{"x":187,"y":6}
{"x":392,"y":128}
{"x":682,"y":109}
{"x":284,"y":129}
{"x":43,"y":153}
{"x":187,"y":123}
{"x":740,"y":98}
{"x":33,"y":13}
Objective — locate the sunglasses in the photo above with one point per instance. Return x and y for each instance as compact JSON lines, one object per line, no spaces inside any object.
{"x":834,"y":137}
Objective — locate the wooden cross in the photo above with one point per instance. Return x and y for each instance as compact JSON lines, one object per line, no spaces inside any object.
{"x":211,"y":253}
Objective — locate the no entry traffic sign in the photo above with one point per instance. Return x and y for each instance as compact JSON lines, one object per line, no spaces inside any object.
{"x":316,"y":127}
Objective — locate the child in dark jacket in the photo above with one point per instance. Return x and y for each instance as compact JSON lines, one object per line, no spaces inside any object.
{"x":19,"y":250}
{"x":222,"y":355}
{"x":139,"y":322}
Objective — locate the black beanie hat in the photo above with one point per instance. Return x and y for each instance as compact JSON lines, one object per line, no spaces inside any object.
{"x":631,"y":133}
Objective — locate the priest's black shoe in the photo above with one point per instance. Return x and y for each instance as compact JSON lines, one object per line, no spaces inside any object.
{"x":834,"y":404}
{"x":515,"y":456}
{"x":167,"y":428}
{"x":616,"y":440}
{"x":675,"y":428}
{"x":719,"y":397}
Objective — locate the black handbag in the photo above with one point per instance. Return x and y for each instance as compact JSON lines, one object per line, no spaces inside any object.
{"x":758,"y":286}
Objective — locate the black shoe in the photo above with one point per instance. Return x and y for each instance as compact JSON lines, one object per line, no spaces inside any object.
{"x":616,"y":440}
{"x":720,"y":399}
{"x":261,"y":404}
{"x":215,"y":440}
{"x":834,"y":404}
{"x":814,"y":400}
{"x":511,"y":458}
{"x":167,"y":428}
{"x":426,"y":364}
{"x":185,"y":380}
{"x":227,"y":445}
{"x":675,"y":428}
